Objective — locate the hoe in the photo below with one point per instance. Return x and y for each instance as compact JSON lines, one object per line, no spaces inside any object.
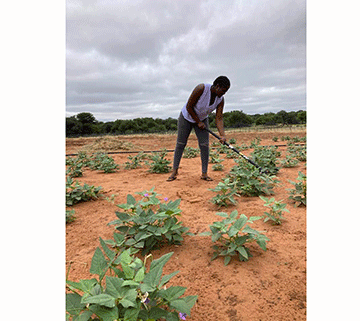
{"x":236,"y":151}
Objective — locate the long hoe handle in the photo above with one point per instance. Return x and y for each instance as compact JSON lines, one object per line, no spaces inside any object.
{"x":236,"y":151}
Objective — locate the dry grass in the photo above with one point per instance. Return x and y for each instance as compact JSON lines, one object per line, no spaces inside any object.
{"x":107,"y":143}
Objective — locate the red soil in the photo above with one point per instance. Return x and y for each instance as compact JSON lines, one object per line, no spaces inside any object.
{"x":270,"y":286}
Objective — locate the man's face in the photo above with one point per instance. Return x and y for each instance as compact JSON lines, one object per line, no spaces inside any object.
{"x":220,"y":90}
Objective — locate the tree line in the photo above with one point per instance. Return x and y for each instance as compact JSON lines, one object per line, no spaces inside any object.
{"x":85,"y":123}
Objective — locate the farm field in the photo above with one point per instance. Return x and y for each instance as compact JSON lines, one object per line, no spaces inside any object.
{"x":270,"y":286}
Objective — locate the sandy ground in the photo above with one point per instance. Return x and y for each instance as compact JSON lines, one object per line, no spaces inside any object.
{"x":270,"y":286}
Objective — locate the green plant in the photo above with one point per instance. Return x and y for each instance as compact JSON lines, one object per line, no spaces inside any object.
{"x":76,"y":193}
{"x":190,"y":152}
{"x":249,"y":181}
{"x":135,"y":161}
{"x":298,"y":152}
{"x":232,"y":141}
{"x":232,"y":234}
{"x":214,"y":158}
{"x":275,"y":138}
{"x":298,"y":194}
{"x":149,"y":223}
{"x":266,"y":158}
{"x":276,"y":210}
{"x":217,"y":167}
{"x":289,"y":161}
{"x":131,"y":293}
{"x":103,"y":162}
{"x":225,"y":193}
{"x":159,"y":163}
{"x":69,"y":216}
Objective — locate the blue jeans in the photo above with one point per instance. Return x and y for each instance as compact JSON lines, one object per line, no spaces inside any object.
{"x":184,"y":130}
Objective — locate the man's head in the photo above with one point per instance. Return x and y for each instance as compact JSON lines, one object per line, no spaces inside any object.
{"x":222,"y":84}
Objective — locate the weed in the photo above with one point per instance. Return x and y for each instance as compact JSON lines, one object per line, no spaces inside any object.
{"x":217,"y":167}
{"x":69,"y":216}
{"x":135,"y":161}
{"x":232,"y":234}
{"x":289,"y":161}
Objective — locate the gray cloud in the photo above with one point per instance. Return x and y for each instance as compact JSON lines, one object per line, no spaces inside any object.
{"x":133,"y":59}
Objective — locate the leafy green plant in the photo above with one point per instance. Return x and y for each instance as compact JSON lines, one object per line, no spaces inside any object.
{"x":217,"y":167}
{"x":135,"y":161}
{"x":149,"y":223}
{"x":298,"y":194}
{"x":103,"y":162}
{"x":225,"y":193}
{"x":159,"y":163}
{"x":289,"y":161}
{"x":275,"y":138}
{"x":69,"y":216}
{"x":298,"y":152}
{"x":266,"y":158}
{"x":232,"y":141}
{"x":276,"y":210}
{"x":75,"y":164}
{"x":130,"y":293}
{"x":249,"y":181}
{"x":214,"y":158}
{"x":190,"y":152}
{"x":75,"y":192}
{"x":232,"y":234}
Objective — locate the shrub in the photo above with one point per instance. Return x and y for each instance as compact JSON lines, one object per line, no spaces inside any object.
{"x":131,"y":294}
{"x":298,"y":194}
{"x":232,"y":234}
{"x":148,"y":223}
{"x":276,"y":210}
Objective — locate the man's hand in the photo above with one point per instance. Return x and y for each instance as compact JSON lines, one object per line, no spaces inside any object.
{"x":201,"y":125}
{"x":222,"y":139}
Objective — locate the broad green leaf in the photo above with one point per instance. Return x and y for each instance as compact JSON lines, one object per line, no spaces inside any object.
{"x":157,"y":313}
{"x":222,"y":214}
{"x":129,"y":299}
{"x":106,"y":314}
{"x":227,"y":259}
{"x":83,"y":285}
{"x":125,"y":257}
{"x":101,"y":299}
{"x":131,"y":314}
{"x":73,"y":303}
{"x":152,"y":278}
{"x":243,"y":252}
{"x":110,"y":254}
{"x":130,"y":199}
{"x":140,"y":275}
{"x":85,"y":316}
{"x":234,"y":214}
{"x":114,"y":287}
{"x":172,"y":293}
{"x":98,"y":262}
{"x":183,"y":305}
{"x":166,"y":278}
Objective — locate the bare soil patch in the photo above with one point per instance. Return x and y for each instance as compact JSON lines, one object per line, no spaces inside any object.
{"x":270,"y":286}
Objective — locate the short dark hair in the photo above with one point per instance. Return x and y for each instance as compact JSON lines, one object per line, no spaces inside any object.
{"x":223,"y":81}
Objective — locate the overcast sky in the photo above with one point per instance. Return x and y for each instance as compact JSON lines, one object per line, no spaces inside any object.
{"x":128,"y":59}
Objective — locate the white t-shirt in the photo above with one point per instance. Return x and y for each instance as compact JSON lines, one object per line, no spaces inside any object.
{"x":202,"y":107}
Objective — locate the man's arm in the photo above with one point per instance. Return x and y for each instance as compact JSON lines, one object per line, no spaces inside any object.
{"x":193,"y":99}
{"x":219,"y":120}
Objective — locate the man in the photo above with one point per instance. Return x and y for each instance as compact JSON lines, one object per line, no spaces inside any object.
{"x":204,"y":99}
